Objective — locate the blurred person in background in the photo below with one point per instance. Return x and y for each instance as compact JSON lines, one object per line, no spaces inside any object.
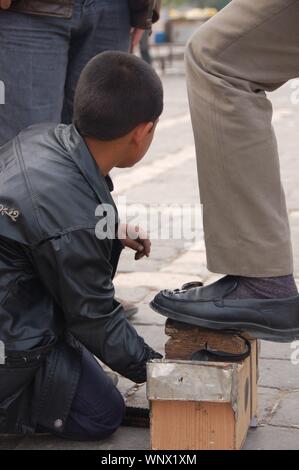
{"x":144,"y":46}
{"x":45,"y":45}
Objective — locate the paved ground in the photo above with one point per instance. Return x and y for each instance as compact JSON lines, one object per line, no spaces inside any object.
{"x":168,"y":175}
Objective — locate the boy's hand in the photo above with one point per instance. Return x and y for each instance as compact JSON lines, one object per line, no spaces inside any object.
{"x":137,"y":372}
{"x":135,"y":238}
{"x":5,"y":4}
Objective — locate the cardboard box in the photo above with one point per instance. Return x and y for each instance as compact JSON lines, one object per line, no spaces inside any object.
{"x":201,"y":405}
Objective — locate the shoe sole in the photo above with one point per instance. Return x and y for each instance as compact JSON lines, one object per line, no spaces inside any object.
{"x":255,"y":331}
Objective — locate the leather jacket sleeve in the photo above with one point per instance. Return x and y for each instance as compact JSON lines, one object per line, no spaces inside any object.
{"x":76,"y":269}
{"x":144,"y":13}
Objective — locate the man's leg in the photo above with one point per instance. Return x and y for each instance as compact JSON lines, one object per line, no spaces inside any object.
{"x":246,"y":49}
{"x":104,"y":26}
{"x":33,"y":60}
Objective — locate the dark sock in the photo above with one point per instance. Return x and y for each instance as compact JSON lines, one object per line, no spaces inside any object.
{"x":265,"y":288}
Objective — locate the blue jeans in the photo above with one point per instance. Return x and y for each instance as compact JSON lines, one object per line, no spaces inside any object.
{"x":98,"y":407}
{"x":41,"y":59}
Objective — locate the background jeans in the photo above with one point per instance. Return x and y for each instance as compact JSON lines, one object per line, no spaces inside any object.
{"x":41,"y":59}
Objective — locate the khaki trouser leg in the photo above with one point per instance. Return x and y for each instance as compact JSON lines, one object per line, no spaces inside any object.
{"x":250,"y":47}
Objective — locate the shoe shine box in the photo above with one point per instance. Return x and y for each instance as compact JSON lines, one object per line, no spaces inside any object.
{"x":199,"y":405}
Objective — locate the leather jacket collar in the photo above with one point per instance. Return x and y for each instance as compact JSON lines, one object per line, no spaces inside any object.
{"x":79,"y":152}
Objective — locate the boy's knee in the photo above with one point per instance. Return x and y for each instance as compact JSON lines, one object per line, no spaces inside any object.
{"x":97,"y":422}
{"x":116,"y":412}
{"x":103,"y":426}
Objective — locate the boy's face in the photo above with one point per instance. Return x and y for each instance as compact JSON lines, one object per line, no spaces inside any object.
{"x":139,"y":144}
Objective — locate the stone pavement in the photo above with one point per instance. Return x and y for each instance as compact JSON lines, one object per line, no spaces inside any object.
{"x":168,"y":175}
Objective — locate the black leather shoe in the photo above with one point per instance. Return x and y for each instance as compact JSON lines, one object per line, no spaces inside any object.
{"x":207,"y":307}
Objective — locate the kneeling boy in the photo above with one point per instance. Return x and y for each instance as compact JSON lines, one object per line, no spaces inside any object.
{"x":57,"y":305}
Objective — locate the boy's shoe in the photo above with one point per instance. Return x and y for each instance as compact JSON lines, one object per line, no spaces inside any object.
{"x":130,"y":309}
{"x":113,"y":376}
{"x":207,"y":307}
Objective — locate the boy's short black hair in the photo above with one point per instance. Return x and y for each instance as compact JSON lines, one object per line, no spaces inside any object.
{"x":116,"y":92}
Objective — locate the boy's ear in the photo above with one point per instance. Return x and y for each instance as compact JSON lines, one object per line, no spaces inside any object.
{"x":142,"y":131}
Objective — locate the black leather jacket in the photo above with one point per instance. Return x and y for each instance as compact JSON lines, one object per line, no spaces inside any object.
{"x":143,"y":12}
{"x":56,"y":290}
